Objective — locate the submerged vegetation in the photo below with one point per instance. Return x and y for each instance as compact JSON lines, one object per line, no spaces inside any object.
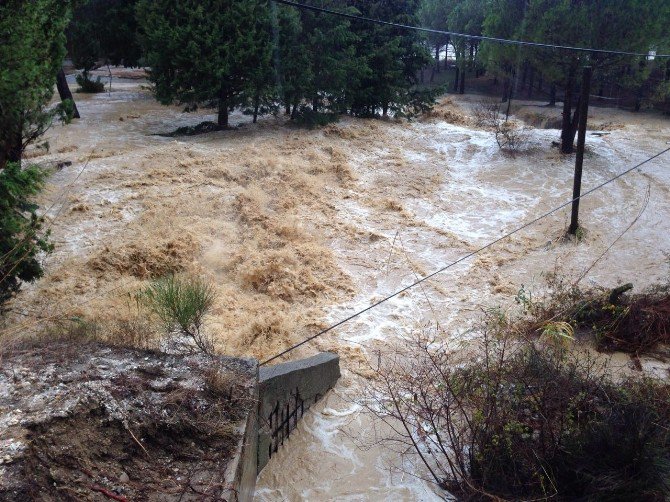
{"x":615,"y":320}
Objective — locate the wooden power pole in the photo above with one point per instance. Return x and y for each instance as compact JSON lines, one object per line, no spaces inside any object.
{"x":581,"y":141}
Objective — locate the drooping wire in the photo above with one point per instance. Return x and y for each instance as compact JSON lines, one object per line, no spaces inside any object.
{"x":463,"y":258}
{"x":454,"y":34}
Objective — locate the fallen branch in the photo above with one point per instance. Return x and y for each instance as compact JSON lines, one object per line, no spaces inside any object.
{"x":108,"y":493}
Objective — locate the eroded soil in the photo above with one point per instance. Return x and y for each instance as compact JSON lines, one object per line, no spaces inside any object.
{"x":300,"y":228}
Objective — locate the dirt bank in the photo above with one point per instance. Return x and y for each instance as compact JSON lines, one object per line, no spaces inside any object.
{"x":87,"y":422}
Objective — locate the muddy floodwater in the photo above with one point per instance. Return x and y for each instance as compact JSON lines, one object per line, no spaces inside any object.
{"x":299,"y":228}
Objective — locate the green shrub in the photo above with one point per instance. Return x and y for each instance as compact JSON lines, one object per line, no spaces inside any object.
{"x":89,"y":86}
{"x":306,"y":117}
{"x":21,"y":236}
{"x":181,"y":304}
{"x":517,"y":420}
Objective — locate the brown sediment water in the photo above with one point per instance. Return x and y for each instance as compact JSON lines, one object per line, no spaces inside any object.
{"x":300,"y":228}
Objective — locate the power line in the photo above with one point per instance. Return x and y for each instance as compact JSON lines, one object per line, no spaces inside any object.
{"x":464,"y":35}
{"x":463,"y":258}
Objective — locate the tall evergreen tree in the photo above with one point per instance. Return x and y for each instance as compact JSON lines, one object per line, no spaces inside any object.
{"x":32,"y":47}
{"x":390,"y":59}
{"x":435,"y":14}
{"x":467,"y":17}
{"x":291,"y":60}
{"x":201,"y":53}
{"x":330,"y":44}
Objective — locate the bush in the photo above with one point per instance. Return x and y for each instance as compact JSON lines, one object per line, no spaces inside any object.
{"x":306,"y":117}
{"x":201,"y":128}
{"x":636,"y":323}
{"x":511,"y":137}
{"x":518,"y":420}
{"x":182,"y":304}
{"x":21,"y":236}
{"x":87,"y":85}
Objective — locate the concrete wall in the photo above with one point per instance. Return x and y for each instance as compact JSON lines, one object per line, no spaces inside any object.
{"x":241,"y":473}
{"x":287,"y":386}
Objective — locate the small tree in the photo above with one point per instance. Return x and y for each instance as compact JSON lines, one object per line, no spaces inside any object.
{"x":181,"y":304}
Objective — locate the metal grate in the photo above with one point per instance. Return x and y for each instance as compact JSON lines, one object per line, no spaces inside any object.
{"x":284,"y":419}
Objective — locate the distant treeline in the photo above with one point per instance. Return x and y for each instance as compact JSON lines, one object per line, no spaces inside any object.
{"x":265,"y":56}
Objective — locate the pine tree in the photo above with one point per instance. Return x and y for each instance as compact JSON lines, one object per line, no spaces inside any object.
{"x":390,"y":59}
{"x":201,"y":53}
{"x":330,"y":45}
{"x":32,"y":47}
{"x":291,"y":60}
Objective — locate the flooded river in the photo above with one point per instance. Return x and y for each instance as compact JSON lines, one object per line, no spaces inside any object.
{"x":300,"y":228}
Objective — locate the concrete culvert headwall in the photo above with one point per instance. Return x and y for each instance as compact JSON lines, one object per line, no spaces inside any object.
{"x":286,"y":391}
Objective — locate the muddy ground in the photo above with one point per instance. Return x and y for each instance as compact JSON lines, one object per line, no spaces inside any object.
{"x":300,"y":228}
{"x":87,"y":422}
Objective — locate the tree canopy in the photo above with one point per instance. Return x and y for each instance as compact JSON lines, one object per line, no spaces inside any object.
{"x":32,"y":48}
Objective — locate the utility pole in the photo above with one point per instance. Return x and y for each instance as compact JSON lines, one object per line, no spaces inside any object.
{"x":581,"y":141}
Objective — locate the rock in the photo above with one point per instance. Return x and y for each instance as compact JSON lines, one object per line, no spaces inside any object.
{"x":124,"y":478}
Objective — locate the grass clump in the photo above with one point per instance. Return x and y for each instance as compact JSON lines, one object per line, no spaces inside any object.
{"x":181,"y":304}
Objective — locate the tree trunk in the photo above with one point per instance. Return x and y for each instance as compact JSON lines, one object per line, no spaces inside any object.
{"x":15,"y":150}
{"x":446,"y":54}
{"x":574,"y":123}
{"x":461,"y":83}
{"x":506,"y":87}
{"x":223,"y":113}
{"x":531,"y":82}
{"x":509,"y":102}
{"x":540,"y":82}
{"x":315,"y":104}
{"x":639,"y":94}
{"x":257,"y":102}
{"x":552,"y":96}
{"x":456,"y":78}
{"x":437,"y":58}
{"x":65,"y":93}
{"x":385,"y":110}
{"x":567,"y":136}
